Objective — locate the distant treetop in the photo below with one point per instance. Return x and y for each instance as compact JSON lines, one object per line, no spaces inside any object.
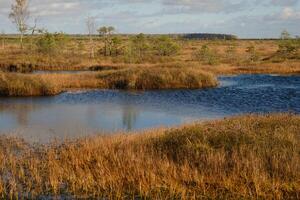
{"x":208,"y":36}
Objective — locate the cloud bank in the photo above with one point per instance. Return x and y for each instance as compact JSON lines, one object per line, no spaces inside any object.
{"x":245,"y":18}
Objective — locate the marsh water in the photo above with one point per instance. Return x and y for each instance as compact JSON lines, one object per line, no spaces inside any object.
{"x":81,"y":113}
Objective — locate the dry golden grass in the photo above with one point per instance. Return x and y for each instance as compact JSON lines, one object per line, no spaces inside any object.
{"x":285,"y":68}
{"x":75,"y":58}
{"x":15,"y":84}
{"x":249,"y":157}
{"x":158,"y":78}
{"x":178,"y":71}
{"x":25,"y":85}
{"x":85,"y":80}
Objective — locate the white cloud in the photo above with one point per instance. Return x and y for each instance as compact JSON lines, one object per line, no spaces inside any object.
{"x":261,"y":17}
{"x":284,"y":2}
{"x":289,"y":13}
{"x":208,"y":5}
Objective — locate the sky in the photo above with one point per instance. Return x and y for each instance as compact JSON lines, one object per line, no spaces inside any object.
{"x":244,"y":18}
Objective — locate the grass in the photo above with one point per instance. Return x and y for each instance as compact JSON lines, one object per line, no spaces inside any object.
{"x":247,"y":157}
{"x":25,"y":85}
{"x":284,"y":68}
{"x":158,"y":78}
{"x":180,"y":71}
{"x":172,"y":75}
{"x":85,"y":80}
{"x":232,"y":56}
{"x":15,"y":84}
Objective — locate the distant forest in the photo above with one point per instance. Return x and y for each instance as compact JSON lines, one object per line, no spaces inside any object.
{"x":208,"y":36}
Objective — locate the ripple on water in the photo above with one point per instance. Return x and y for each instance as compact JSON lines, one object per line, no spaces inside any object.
{"x":78,"y":113}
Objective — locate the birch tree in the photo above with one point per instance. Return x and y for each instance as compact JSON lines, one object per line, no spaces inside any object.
{"x":19,"y":15}
{"x":91,"y":28}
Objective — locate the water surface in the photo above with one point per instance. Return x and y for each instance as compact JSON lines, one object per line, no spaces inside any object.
{"x":81,"y":113}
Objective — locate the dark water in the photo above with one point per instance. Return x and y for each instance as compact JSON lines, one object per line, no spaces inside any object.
{"x":76,"y":114}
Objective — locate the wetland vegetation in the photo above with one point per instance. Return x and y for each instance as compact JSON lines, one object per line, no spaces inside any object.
{"x":254,"y":156}
{"x":160,"y":62}
{"x":247,"y":157}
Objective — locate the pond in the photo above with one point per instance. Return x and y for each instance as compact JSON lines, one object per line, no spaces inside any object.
{"x":81,"y":113}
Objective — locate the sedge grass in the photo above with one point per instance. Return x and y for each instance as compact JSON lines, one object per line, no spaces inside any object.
{"x":15,"y":84}
{"x":158,"y":78}
{"x":25,"y":85}
{"x":247,"y":157}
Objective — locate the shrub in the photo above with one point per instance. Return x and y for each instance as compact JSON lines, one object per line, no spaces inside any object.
{"x":139,"y":46}
{"x":116,"y":46}
{"x":49,"y":43}
{"x":165,"y":46}
{"x":206,"y":55}
{"x":288,"y":48}
{"x":142,"y":49}
{"x":112,"y":46}
{"x":137,"y":50}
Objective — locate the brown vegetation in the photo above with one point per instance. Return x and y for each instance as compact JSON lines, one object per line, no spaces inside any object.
{"x":15,"y":84}
{"x":250,"y":157}
{"x":284,"y":68}
{"x":158,"y":78}
{"x":25,"y":85}
{"x":140,"y":62}
{"x":66,"y":53}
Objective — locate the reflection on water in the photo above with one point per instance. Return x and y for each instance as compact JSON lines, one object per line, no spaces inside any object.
{"x":130,"y":115}
{"x":77,"y":114}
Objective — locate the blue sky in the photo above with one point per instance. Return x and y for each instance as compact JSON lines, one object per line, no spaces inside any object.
{"x":245,"y":18}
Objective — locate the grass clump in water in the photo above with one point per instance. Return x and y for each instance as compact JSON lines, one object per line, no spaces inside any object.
{"x":248,"y":157}
{"x":158,"y":78}
{"x":25,"y":85}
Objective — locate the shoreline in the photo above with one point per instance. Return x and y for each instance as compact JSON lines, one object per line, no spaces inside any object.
{"x":15,"y":84}
{"x":52,"y":84}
